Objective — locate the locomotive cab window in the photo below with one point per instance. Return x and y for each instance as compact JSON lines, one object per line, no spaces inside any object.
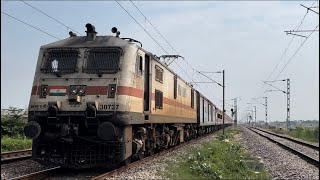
{"x":159,"y":74}
{"x":159,"y":99}
{"x":102,"y":60}
{"x":60,"y":60}
{"x":139,"y":63}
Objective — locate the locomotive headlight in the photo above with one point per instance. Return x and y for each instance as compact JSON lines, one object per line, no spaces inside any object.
{"x":43,"y":91}
{"x":112,"y":90}
{"x":73,"y":90}
{"x":81,"y":90}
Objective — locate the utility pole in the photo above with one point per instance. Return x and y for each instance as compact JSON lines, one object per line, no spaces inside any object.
{"x":223,"y":101}
{"x":266,"y":105}
{"x":235,"y":112}
{"x":288,"y":98}
{"x":288,"y":104}
{"x":255,"y":115}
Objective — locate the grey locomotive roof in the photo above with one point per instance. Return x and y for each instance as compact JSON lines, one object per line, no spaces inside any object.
{"x":102,"y":41}
{"x":80,"y":41}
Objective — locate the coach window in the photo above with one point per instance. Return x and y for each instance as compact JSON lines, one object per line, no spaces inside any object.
{"x":192,"y":98}
{"x":159,"y":74}
{"x":139,"y":65}
{"x":159,"y":99}
{"x":211,"y":114}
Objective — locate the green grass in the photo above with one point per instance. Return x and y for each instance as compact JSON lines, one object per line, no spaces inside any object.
{"x":216,"y":160}
{"x":14,"y":144}
{"x":310,"y":134}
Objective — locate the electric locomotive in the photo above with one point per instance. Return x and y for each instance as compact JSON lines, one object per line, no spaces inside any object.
{"x":103,"y":100}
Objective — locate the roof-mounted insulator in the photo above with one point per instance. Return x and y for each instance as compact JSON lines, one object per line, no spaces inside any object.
{"x":115,"y":30}
{"x":72,"y":34}
{"x":91,"y":32}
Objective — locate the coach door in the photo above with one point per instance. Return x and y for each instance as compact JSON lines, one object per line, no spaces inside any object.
{"x":146,"y":102}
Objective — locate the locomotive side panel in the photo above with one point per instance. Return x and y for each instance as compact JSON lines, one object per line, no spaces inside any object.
{"x":165,"y":106}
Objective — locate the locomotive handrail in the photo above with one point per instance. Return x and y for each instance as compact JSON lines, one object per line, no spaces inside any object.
{"x":132,"y":40}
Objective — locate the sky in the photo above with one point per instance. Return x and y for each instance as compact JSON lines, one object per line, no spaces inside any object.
{"x":244,"y":38}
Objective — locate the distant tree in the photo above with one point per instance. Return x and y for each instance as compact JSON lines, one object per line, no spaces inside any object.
{"x":12,"y":122}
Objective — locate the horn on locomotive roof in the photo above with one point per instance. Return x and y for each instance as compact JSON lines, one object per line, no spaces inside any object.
{"x":115,"y":30}
{"x":91,"y":32}
{"x":72,"y":34}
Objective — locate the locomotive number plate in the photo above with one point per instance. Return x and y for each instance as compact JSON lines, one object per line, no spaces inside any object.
{"x":34,"y":107}
{"x":108,"y":107}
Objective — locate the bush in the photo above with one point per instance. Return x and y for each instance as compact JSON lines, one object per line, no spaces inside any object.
{"x":12,"y":124}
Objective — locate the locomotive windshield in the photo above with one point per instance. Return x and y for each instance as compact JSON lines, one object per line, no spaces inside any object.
{"x":102,"y":60}
{"x":60,"y":61}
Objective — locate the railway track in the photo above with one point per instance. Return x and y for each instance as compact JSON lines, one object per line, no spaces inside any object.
{"x":38,"y":175}
{"x":115,"y":172}
{"x":312,"y":146}
{"x":15,"y":155}
{"x":304,"y":150}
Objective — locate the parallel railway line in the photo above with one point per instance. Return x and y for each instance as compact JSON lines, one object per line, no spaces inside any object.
{"x":38,"y":175}
{"x":15,"y":155}
{"x":303,"y":150}
{"x":312,"y":146}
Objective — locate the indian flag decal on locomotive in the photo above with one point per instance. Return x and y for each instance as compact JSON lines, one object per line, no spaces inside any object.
{"x":58,"y":92}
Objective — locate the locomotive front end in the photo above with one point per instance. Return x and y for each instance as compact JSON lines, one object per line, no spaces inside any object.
{"x":77,"y":115}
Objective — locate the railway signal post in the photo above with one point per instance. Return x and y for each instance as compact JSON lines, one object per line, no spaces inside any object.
{"x":235,"y":111}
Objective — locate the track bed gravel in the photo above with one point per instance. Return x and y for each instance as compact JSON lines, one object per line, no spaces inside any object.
{"x":280,"y":163}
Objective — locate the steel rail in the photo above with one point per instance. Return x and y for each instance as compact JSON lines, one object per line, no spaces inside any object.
{"x":38,"y":175}
{"x":15,"y":155}
{"x":312,"y":146}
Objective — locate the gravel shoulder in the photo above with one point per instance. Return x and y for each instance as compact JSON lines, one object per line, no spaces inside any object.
{"x":309,"y":151}
{"x":154,"y":169}
{"x":280,"y":163}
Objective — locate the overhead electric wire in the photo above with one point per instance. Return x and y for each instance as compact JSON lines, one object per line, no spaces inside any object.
{"x":158,"y":43}
{"x":297,"y":27}
{"x":296,"y":52}
{"x":162,"y":36}
{"x":285,"y":51}
{"x":142,"y":27}
{"x":30,"y":25}
{"x":153,"y":26}
{"x":292,"y":57}
{"x":50,"y":16}
{"x":171,"y":45}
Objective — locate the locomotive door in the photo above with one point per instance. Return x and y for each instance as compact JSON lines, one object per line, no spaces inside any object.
{"x":146,"y":101}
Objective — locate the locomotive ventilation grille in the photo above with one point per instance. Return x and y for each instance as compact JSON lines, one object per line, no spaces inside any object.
{"x":62,"y":61}
{"x":79,"y":155}
{"x":102,"y":60}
